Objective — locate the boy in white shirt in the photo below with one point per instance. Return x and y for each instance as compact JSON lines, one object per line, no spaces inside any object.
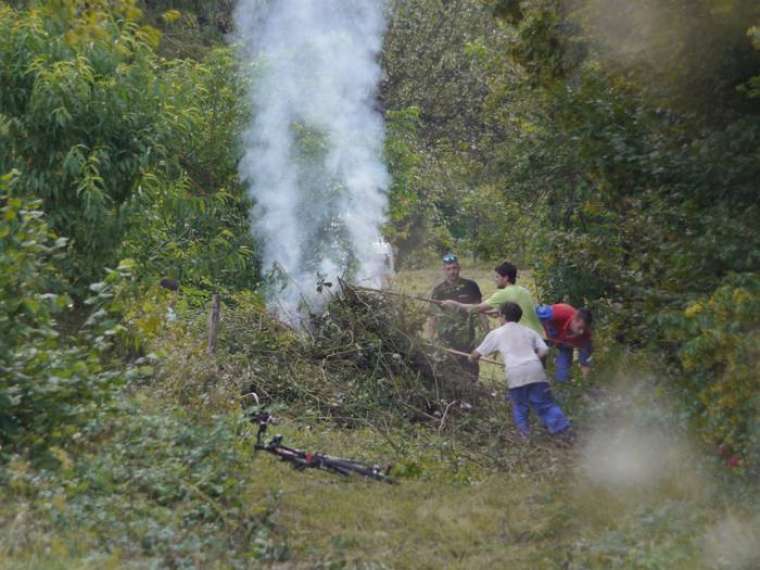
{"x":521,"y":349}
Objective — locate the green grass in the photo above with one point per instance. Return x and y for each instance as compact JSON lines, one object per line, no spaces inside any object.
{"x":455,"y":509}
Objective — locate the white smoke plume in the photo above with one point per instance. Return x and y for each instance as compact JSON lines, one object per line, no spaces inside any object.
{"x":625,"y":457}
{"x":734,"y":542}
{"x":313,"y":157}
{"x":635,"y":446}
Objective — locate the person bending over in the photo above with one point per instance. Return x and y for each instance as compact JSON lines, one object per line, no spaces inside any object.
{"x":568,"y":329}
{"x":521,"y":349}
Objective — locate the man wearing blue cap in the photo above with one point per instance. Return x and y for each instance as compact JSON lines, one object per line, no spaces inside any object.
{"x":453,"y":328}
{"x":505,"y":276}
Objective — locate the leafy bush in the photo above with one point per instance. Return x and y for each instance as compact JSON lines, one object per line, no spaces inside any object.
{"x":150,"y":485}
{"x":131,"y":155}
{"x":720,"y":351}
{"x":51,"y":383}
{"x":81,"y":102}
{"x":189,"y":27}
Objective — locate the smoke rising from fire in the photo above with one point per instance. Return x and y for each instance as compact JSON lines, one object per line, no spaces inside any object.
{"x":635,"y":443}
{"x":313,"y":152}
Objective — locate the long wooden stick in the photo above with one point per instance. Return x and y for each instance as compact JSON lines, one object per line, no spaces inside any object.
{"x":388,"y":292}
{"x":482,"y":359}
{"x":460,"y":353}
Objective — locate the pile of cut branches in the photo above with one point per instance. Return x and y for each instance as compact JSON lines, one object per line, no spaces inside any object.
{"x":361,"y":357}
{"x":371,"y":345}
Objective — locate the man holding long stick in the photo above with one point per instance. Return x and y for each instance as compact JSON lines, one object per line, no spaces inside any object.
{"x":505,"y":275}
{"x":453,"y":328}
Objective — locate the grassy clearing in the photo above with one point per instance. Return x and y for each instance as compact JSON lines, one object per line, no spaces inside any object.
{"x":170,"y":480}
{"x":458,"y":506}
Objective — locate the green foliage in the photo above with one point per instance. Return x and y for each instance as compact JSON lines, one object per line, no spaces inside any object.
{"x":719,"y":342}
{"x":131,"y":158}
{"x":635,"y":157}
{"x":508,"y":10}
{"x":638,"y":206}
{"x":499,"y":227}
{"x":434,"y":93}
{"x":82,"y":105}
{"x":196,"y":227}
{"x":406,"y":202}
{"x":161,"y":484}
{"x":415,"y":221}
{"x":752,"y":87}
{"x":190,"y":28}
{"x":170,"y":489}
{"x":203,"y":241}
{"x":127,"y":151}
{"x":625,"y":176}
{"x":429,"y":66}
{"x":51,"y":384}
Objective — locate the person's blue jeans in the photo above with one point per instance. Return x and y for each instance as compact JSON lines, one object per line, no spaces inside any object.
{"x":563,"y":362}
{"x":539,"y":397}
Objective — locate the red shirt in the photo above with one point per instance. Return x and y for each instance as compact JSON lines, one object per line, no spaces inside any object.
{"x":557,"y":327}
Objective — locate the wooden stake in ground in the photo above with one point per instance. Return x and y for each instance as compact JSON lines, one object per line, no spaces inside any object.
{"x":213,"y":322}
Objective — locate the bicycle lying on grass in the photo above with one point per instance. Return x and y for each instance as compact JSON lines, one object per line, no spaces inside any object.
{"x":301,"y":460}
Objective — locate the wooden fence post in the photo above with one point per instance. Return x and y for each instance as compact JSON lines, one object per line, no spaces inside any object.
{"x":213,"y":322}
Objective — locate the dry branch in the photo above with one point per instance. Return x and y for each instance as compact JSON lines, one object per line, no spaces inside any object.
{"x":398,"y":294}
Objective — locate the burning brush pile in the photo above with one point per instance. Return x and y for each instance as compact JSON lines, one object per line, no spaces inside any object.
{"x":362,"y":356}
{"x":371,"y":345}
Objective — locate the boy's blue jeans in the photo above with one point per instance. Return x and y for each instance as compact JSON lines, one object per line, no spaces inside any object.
{"x":539,"y":397}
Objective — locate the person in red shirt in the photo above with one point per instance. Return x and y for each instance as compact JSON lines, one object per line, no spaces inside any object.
{"x":568,"y":329}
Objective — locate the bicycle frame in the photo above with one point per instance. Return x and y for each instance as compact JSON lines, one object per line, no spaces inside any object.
{"x":301,"y":460}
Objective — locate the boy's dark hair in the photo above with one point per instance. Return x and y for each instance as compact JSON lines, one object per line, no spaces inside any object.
{"x":506,"y":269}
{"x":511,"y":312}
{"x":585,"y":315}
